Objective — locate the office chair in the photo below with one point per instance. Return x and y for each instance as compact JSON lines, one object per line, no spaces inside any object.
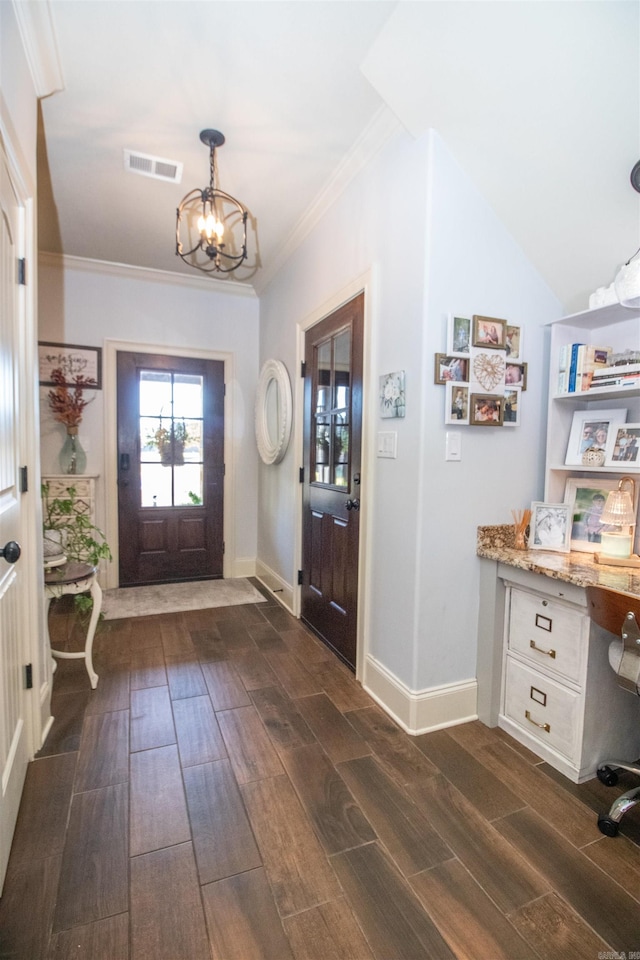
{"x":618,"y":613}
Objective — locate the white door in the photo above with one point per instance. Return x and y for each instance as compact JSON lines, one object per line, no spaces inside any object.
{"x":14,"y":733}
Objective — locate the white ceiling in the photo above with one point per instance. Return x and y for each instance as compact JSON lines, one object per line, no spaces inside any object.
{"x":538,"y":101}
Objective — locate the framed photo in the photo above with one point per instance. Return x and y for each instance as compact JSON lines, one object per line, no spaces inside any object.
{"x":550,"y":527}
{"x":623,"y":445}
{"x":513,"y":342}
{"x":458,"y":335}
{"x":457,"y":403}
{"x":450,"y":367}
{"x":73,"y":360}
{"x":489,"y":332}
{"x":511,"y":407}
{"x":515,"y":374}
{"x":586,"y":498}
{"x":590,"y":430}
{"x":486,"y":410}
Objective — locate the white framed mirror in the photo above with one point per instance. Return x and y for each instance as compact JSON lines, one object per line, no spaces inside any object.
{"x":273,"y":411}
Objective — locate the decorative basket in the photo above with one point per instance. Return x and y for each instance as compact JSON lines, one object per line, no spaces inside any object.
{"x":593,"y":458}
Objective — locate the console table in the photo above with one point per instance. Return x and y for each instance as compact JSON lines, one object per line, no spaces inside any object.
{"x":74,"y":578}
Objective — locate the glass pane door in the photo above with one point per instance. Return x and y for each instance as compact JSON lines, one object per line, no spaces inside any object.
{"x":331,"y":417}
{"x":171,"y":439}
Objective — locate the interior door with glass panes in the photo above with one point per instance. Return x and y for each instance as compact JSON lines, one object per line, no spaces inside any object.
{"x":170,"y":468}
{"x":331,"y":491}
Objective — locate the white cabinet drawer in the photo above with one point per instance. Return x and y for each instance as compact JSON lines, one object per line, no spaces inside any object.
{"x":548,"y":634}
{"x":544,"y":708}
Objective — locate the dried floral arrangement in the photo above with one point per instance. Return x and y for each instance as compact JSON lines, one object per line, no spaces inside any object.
{"x":66,"y":401}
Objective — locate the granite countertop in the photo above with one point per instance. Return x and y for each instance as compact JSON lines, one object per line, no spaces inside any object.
{"x":497,"y":543}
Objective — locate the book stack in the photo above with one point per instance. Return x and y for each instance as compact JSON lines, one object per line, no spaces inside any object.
{"x":627,"y":375}
{"x":578,"y":364}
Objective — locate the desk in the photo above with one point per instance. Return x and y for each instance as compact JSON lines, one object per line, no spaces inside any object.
{"x":73,"y":578}
{"x":543,"y":668}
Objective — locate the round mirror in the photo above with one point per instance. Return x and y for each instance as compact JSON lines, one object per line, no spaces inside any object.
{"x":273,"y":411}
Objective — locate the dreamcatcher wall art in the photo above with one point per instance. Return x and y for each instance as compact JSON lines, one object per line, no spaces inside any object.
{"x":483,"y":372}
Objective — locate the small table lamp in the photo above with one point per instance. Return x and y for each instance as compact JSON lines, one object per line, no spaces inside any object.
{"x":618,"y":513}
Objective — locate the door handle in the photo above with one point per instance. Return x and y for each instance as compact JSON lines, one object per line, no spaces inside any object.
{"x":353,"y":504}
{"x":124,"y":461}
{"x":10,"y":551}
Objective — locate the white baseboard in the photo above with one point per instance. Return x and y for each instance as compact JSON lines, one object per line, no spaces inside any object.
{"x":244,"y":567}
{"x":281,"y":590}
{"x":420,"y":711}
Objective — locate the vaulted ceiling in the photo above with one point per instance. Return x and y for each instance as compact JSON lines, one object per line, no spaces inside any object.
{"x":538,"y":101}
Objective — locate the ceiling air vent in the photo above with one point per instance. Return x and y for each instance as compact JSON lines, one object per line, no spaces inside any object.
{"x":156,"y":167}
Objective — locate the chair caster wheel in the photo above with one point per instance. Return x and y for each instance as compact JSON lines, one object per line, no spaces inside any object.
{"x":607,"y":775}
{"x":608,"y":826}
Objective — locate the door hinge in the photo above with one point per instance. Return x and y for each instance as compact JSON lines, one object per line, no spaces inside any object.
{"x":28,"y":676}
{"x":301,"y":475}
{"x":299,"y":578}
{"x":224,"y":546}
{"x":303,"y":369}
{"x":224,"y":389}
{"x":24,"y":479}
{"x":22,"y":271}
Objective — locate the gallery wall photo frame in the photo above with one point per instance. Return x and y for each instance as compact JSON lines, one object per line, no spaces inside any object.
{"x":623,"y":446}
{"x":586,"y":497}
{"x":590,"y":430}
{"x":550,"y":527}
{"x":512,"y":405}
{"x":456,"y":403}
{"x":392,"y":395}
{"x":450,"y":367}
{"x":458,"y":335}
{"x":515,"y":374}
{"x":513,"y":342}
{"x":73,"y":360}
{"x":486,"y":410}
{"x":489,"y":332}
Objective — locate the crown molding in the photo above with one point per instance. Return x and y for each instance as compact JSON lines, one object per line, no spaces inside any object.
{"x":373,"y":138}
{"x":38,"y":35}
{"x":126,"y":271}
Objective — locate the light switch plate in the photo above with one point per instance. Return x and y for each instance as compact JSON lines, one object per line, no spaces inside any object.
{"x":388,"y":444}
{"x":453,"y":445}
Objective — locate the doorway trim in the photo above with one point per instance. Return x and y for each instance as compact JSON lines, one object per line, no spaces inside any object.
{"x":111,"y":349}
{"x":362,"y":284}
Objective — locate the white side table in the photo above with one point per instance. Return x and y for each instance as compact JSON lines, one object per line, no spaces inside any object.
{"x":72,"y":578}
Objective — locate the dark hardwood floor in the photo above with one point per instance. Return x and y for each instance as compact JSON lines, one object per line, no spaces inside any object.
{"x":229,"y":792}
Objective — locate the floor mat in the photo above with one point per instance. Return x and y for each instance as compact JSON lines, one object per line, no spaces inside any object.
{"x":174,"y":597}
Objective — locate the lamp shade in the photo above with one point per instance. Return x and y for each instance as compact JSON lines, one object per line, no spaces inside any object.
{"x":618,"y":510}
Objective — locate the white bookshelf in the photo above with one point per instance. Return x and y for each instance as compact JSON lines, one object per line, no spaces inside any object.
{"x":612,"y":326}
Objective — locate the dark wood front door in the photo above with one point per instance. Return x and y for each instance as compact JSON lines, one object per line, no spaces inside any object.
{"x":170,"y":468}
{"x":331,"y":494}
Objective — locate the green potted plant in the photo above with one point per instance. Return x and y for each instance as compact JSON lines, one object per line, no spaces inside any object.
{"x":69,"y":530}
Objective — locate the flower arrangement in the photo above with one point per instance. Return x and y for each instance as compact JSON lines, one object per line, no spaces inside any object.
{"x":67,"y":402}
{"x":170,"y":441}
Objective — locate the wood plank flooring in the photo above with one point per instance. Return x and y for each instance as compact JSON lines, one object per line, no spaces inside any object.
{"x":229,"y":792}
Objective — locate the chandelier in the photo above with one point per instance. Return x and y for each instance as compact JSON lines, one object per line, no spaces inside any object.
{"x":211,"y":226}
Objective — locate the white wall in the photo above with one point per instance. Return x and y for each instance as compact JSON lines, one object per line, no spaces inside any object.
{"x":432,"y":245}
{"x":87,"y":306}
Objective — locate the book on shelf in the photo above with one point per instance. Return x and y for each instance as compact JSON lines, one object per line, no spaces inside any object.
{"x":573,"y":367}
{"x":578,"y":364}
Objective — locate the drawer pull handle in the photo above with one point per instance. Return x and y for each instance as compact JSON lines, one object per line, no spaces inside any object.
{"x":547,"y":653}
{"x":543,"y":726}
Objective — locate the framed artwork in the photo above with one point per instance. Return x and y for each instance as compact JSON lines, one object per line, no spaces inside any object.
{"x":623,"y":445}
{"x":487,"y":370}
{"x":550,"y":527}
{"x":392,"y":395}
{"x":515,"y":374}
{"x":586,"y":497}
{"x":457,"y":403}
{"x":511,"y":407}
{"x":486,"y":410}
{"x":73,"y":360}
{"x":458,"y":335}
{"x":450,"y":367}
{"x":489,"y":332}
{"x":513,"y":342}
{"x":590,"y":431}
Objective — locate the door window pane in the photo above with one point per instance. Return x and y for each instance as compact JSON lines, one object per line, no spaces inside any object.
{"x":332,"y":432}
{"x":171,"y":439}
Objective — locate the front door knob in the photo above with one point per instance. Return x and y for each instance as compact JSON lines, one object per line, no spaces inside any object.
{"x":353,"y":504}
{"x":10,"y":551}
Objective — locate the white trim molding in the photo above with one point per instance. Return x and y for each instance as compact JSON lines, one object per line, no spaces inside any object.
{"x":38,"y":35}
{"x":281,"y":590}
{"x":127,"y":271}
{"x":420,"y":711}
